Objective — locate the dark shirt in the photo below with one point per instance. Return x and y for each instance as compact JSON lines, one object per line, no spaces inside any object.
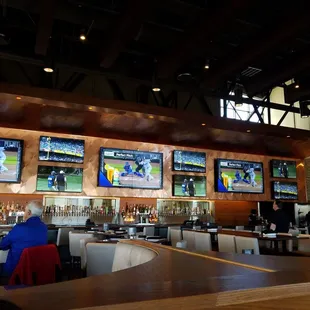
{"x":31,"y":233}
{"x":281,"y":221}
{"x":60,"y":180}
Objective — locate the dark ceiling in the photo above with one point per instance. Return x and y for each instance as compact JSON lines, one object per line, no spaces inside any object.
{"x":259,"y":44}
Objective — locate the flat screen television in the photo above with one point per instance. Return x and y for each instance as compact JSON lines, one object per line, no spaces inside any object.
{"x":61,"y":150}
{"x":189,"y":186}
{"x":189,"y":161}
{"x":284,"y":190}
{"x":283,"y":169}
{"x":11,"y":154}
{"x":237,"y":176}
{"x":59,"y":179}
{"x":130,"y":169}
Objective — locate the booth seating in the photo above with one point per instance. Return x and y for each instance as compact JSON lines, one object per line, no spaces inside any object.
{"x":63,"y":236}
{"x":175,"y":235}
{"x":226,"y":243}
{"x":74,"y":243}
{"x":3,"y":256}
{"x":83,"y":243}
{"x":149,"y":231}
{"x":105,"y":258}
{"x":196,"y":241}
{"x":202,"y":242}
{"x":304,"y":245}
{"x":189,"y":237}
{"x":99,"y":258}
{"x":246,"y":243}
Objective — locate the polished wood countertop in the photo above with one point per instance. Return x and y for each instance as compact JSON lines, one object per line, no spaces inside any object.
{"x":173,"y":273}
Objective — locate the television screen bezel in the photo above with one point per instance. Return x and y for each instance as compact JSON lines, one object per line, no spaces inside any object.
{"x":55,"y":161}
{"x":283,"y":160}
{"x":190,"y":175}
{"x":19,"y":177}
{"x":273,"y":191}
{"x":173,"y":156}
{"x":237,"y":192}
{"x":38,"y":190}
{"x":118,"y":149}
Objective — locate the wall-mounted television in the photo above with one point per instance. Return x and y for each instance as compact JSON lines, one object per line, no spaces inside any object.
{"x":11,"y":154}
{"x":283,"y":169}
{"x":130,"y":168}
{"x":189,"y":161}
{"x":61,"y":150}
{"x":59,"y":179}
{"x":237,"y":176}
{"x":189,"y":186}
{"x":284,"y":190}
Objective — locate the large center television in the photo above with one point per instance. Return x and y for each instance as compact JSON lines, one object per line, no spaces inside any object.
{"x":283,"y":169}
{"x":284,"y":190}
{"x":189,"y":161}
{"x":237,"y":176}
{"x":189,"y":186}
{"x":61,"y":150}
{"x":11,"y":153}
{"x":130,"y":169}
{"x":59,"y":179}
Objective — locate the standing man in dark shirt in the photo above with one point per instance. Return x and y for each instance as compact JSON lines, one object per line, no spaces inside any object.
{"x":191,"y":188}
{"x":61,"y":182}
{"x":279,"y":219}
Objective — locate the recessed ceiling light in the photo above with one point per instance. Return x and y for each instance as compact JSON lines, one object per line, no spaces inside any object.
{"x":248,"y":130}
{"x":90,"y":108}
{"x":151,"y":116}
{"x":207,"y":67}
{"x":48,"y":69}
{"x":82,"y":37}
{"x":288,"y":136}
{"x":296,"y":85}
{"x":18,"y":98}
{"x":156,"y":89}
{"x":203,"y":124}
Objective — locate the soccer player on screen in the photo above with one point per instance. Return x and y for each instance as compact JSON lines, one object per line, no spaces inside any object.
{"x":2,"y":160}
{"x":51,"y":181}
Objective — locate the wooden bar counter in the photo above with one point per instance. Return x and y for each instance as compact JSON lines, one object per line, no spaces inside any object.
{"x":172,"y":274}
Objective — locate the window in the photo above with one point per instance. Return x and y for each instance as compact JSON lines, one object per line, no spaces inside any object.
{"x":244,"y":113}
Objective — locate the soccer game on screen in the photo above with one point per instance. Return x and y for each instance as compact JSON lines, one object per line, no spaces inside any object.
{"x":129,"y":168}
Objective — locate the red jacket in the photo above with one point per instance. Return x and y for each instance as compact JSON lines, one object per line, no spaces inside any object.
{"x":40,"y":260}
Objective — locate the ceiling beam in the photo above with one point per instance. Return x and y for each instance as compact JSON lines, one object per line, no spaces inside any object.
{"x":255,"y":48}
{"x":292,"y":94}
{"x":278,"y":74}
{"x":208,"y":25}
{"x":45,"y":26}
{"x":126,"y":27}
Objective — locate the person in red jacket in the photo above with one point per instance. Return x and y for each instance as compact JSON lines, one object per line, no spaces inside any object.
{"x":33,"y":232}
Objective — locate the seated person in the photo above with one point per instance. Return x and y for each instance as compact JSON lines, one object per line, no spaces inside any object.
{"x":89,"y":223}
{"x":33,"y":232}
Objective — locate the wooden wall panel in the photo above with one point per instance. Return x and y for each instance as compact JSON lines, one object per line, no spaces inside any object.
{"x":233,"y":212}
{"x":92,"y":145}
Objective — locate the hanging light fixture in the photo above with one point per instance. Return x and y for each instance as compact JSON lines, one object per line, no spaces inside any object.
{"x":82,"y":35}
{"x":155,"y":85}
{"x":207,"y":64}
{"x":238,"y":97}
{"x":48,"y":65}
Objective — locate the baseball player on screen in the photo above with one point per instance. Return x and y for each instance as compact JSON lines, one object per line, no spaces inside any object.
{"x":2,"y":160}
{"x":147,"y":169}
